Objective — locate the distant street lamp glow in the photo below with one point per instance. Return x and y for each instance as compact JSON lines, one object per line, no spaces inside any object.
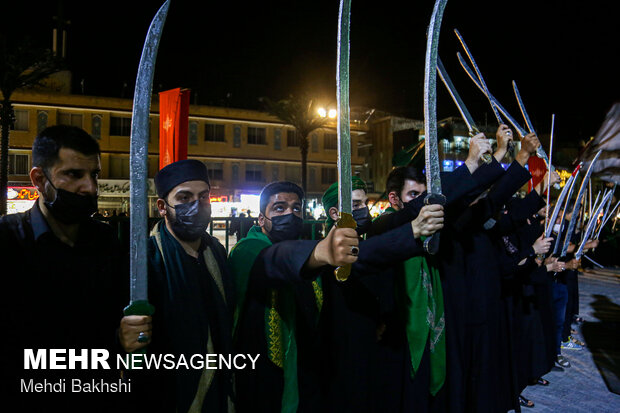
{"x":332,"y":113}
{"x":322,"y":112}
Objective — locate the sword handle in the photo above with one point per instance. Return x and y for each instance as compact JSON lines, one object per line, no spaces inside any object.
{"x":140,"y":307}
{"x":346,"y":221}
{"x":431,"y":244}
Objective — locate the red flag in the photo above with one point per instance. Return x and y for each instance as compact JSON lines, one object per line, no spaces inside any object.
{"x":537,"y":168}
{"x":173,"y":125}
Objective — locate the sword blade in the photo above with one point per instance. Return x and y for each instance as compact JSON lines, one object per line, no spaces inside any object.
{"x":497,"y":104}
{"x":433,"y":180}
{"x":560,"y":200}
{"x":580,"y":194}
{"x":479,"y":74}
{"x":469,"y":120}
{"x":558,"y":241}
{"x":591,"y":225}
{"x":526,"y":117}
{"x":138,"y":165}
{"x":344,"y":132}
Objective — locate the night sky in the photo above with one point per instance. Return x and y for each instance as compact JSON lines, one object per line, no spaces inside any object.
{"x":564,"y":55}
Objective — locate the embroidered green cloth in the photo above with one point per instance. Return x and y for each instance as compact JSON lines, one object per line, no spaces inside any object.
{"x":280,"y":321}
{"x":424,"y":315}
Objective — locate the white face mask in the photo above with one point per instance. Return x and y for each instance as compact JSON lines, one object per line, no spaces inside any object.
{"x":556,"y":228}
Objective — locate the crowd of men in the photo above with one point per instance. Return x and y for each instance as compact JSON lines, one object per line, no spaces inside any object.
{"x":465,"y":330}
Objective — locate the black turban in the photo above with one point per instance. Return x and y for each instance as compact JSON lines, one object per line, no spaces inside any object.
{"x":178,"y":172}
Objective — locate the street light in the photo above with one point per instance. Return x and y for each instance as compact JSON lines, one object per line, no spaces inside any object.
{"x":332,"y":113}
{"x":322,"y":112}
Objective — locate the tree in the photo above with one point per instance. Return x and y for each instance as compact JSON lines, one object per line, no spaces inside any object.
{"x":21,"y":65}
{"x":301,"y":113}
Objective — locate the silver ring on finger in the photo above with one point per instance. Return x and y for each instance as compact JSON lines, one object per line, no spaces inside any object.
{"x":355,"y":250}
{"x":143,"y":337}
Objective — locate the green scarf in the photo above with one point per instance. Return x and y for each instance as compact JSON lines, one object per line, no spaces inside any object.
{"x":280,"y":325}
{"x":423,"y":309}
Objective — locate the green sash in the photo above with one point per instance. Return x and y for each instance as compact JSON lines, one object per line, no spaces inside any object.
{"x":424,"y":315}
{"x":280,"y":325}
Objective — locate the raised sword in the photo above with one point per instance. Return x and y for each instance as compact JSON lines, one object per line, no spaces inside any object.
{"x":345,"y":204}
{"x":580,"y":194}
{"x":560,"y":200}
{"x":460,"y":105}
{"x":433,"y":177}
{"x":138,"y":168}
{"x":483,"y":83}
{"x":591,"y":225}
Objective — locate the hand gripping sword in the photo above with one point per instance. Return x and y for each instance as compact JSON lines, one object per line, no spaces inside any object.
{"x":433,"y":178}
{"x":522,"y":132}
{"x":138,"y":304}
{"x":580,"y":194}
{"x":484,"y":85}
{"x":469,"y":120}
{"x":344,"y":133}
{"x":592,"y":225}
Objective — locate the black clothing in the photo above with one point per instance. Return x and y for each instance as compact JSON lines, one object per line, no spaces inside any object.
{"x":59,"y":297}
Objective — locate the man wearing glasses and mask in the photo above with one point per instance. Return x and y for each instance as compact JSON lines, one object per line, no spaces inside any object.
{"x":191,"y":290}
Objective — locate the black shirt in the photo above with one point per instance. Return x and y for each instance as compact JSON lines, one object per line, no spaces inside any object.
{"x":57,"y":296}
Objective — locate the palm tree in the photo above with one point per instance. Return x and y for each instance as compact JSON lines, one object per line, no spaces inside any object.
{"x":21,"y":65}
{"x":301,"y":113}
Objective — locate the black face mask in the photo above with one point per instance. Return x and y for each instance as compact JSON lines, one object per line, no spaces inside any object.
{"x":191,"y":221}
{"x":71,"y":208}
{"x":363,"y":219}
{"x":285,"y":227}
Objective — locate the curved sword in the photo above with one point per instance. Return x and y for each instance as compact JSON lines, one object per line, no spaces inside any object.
{"x":560,"y":200}
{"x":573,"y":218}
{"x":493,"y":104}
{"x":540,"y":152}
{"x":433,"y":178}
{"x":558,"y":241}
{"x":344,"y":133}
{"x":460,"y":105}
{"x":138,"y":167}
{"x":598,"y":232}
{"x":591,"y":225}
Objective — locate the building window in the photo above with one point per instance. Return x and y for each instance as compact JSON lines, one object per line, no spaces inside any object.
{"x":312,"y":176}
{"x":21,"y":120}
{"x":275,"y":173}
{"x":292,"y":138}
{"x":214,"y":133}
{"x":18,"y":164}
{"x":292,"y":173}
{"x":257,"y":136}
{"x":70,"y":119}
{"x":331,"y":141}
{"x":96,"y":126}
{"x":315,"y":142}
{"x":446,"y":145}
{"x":215,"y":171}
{"x":277,"y":139}
{"x":119,"y":167}
{"x":192,"y":137}
{"x":328,"y":176}
{"x":120,"y":126}
{"x":253,"y":173}
{"x":41,"y":120}
{"x":237,"y":136}
{"x":235,"y":172}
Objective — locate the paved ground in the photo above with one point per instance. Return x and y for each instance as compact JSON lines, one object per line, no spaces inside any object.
{"x":585,"y":387}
